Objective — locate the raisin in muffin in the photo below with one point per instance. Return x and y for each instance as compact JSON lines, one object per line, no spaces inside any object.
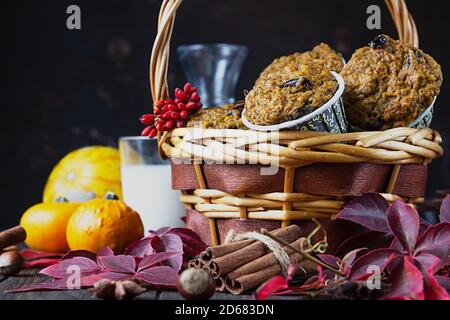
{"x":389,"y":84}
{"x":225,"y":117}
{"x":321,"y":55}
{"x":290,"y":93}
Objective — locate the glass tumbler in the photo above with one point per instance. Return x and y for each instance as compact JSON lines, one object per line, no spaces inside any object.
{"x":146,"y":184}
{"x":214,"y":69}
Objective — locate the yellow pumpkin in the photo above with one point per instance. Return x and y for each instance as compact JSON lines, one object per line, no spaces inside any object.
{"x":46,"y":223}
{"x":103,"y":222}
{"x":90,"y":169}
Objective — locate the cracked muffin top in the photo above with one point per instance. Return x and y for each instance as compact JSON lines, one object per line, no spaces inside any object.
{"x":389,"y":84}
{"x":225,"y":117}
{"x":292,"y":92}
{"x":321,"y":55}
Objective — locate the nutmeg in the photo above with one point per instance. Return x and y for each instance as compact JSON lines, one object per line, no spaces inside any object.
{"x":196,"y":284}
{"x":11,"y":262}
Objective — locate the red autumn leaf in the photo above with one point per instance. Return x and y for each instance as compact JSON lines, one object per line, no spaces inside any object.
{"x":313,"y":283}
{"x":106,"y":251}
{"x":159,"y":276}
{"x":368,"y":239}
{"x":118,"y":264}
{"x":436,"y":240}
{"x":407,"y":282}
{"x":427,"y":264}
{"x":62,"y":284}
{"x":380,"y":257}
{"x":444,"y":281}
{"x":404,"y":224}
{"x":330,"y":260}
{"x":40,"y":263}
{"x":79,"y":253}
{"x":276,"y":285}
{"x":30,"y":254}
{"x":140,"y":248}
{"x":173,"y":243}
{"x":433,"y":290}
{"x":155,"y":258}
{"x":105,"y":265}
{"x":445,"y":210}
{"x":89,"y":281}
{"x":271,"y":287}
{"x":423,"y":227}
{"x":424,"y":224}
{"x":368,"y":210}
{"x":192,"y":244}
{"x":161,"y":231}
{"x":157,"y":243}
{"x":349,"y":258}
{"x":60,"y":270}
{"x":395,"y":244}
{"x":428,"y":261}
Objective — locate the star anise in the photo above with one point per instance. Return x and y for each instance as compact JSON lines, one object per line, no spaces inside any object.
{"x":116,"y":290}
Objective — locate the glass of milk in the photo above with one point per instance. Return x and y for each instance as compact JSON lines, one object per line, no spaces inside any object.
{"x":147,"y":184}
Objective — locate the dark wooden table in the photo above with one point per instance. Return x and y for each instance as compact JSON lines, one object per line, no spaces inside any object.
{"x":30,"y":276}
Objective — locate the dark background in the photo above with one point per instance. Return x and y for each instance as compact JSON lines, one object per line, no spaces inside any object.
{"x":61,"y":89}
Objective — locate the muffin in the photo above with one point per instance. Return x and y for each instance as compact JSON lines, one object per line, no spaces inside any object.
{"x":389,"y":84}
{"x":290,"y":93}
{"x":321,"y":55}
{"x":225,"y":117}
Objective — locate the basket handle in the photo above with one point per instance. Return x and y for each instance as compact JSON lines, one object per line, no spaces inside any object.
{"x":159,"y":61}
{"x":404,"y":22}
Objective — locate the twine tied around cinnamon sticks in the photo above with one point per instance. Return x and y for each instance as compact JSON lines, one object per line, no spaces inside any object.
{"x":275,"y":247}
{"x":252,"y":258}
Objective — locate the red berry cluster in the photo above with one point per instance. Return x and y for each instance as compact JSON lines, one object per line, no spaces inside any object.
{"x":170,"y":113}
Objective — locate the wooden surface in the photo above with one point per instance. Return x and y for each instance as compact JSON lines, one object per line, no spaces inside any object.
{"x":30,"y":276}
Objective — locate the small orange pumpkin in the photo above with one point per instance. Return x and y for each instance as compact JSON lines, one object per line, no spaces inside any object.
{"x":46,"y":223}
{"x":104,"y":222}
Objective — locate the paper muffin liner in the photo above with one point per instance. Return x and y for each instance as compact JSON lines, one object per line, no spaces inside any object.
{"x":424,"y":120}
{"x":328,"y":118}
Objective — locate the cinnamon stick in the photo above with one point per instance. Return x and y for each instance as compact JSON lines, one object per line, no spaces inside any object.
{"x":250,"y":281}
{"x":262,"y":269}
{"x":253,"y":280}
{"x":198,"y":264}
{"x":223,"y":265}
{"x":267,"y":261}
{"x":246,"y":264}
{"x":223,"y":249}
{"x":195,"y":263}
{"x":220,"y":284}
{"x":11,"y":237}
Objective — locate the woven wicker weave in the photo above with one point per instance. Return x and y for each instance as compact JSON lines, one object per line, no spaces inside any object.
{"x":287,"y":149}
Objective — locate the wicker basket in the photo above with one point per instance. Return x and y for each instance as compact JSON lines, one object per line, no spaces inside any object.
{"x":219,"y":171}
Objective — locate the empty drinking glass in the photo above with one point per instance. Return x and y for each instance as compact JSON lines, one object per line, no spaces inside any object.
{"x":214,"y":69}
